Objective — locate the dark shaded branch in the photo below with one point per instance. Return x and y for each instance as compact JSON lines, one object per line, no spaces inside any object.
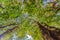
{"x":57,"y":10}
{"x":7,"y":25}
{"x":8,"y":31}
{"x":48,"y":32}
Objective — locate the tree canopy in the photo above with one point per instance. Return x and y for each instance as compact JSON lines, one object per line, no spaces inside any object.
{"x":17,"y":18}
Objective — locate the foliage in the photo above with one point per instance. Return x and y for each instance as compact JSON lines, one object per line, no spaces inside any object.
{"x":23,"y":13}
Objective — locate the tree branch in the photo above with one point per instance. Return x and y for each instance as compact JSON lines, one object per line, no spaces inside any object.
{"x":48,"y":32}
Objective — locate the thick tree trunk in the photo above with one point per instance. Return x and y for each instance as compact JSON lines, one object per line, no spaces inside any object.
{"x":49,"y":33}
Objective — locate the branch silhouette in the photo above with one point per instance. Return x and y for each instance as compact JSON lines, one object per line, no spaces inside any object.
{"x":48,"y":32}
{"x":8,"y":31}
{"x":7,"y":25}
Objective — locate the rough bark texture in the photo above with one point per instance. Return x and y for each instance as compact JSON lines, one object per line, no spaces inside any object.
{"x":49,"y":33}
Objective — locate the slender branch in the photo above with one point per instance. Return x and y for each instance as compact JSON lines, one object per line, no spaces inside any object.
{"x":7,"y":25}
{"x":8,"y":31}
